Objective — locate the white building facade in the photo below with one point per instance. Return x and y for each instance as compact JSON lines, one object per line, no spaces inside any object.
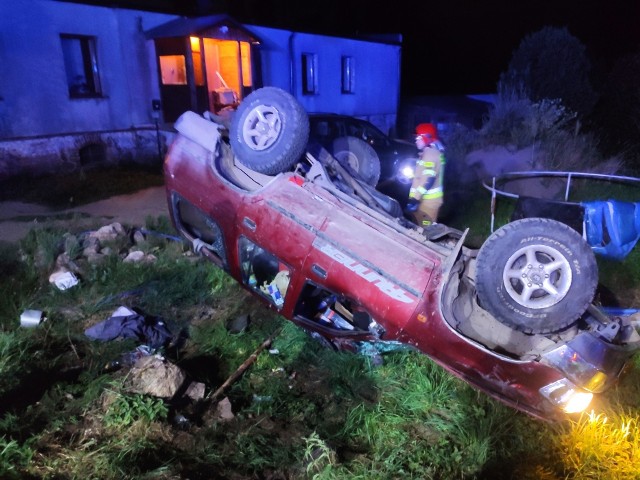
{"x":86,"y":85}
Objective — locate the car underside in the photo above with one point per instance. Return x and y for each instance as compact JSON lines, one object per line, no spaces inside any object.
{"x":330,"y":253}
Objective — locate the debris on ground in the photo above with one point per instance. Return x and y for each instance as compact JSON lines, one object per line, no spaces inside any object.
{"x":96,"y":245}
{"x":126,"y":323}
{"x":108,"y":232}
{"x":31,"y":318}
{"x":138,"y":256}
{"x":130,"y":358}
{"x":224,"y":412}
{"x":156,"y":376}
{"x":245,"y":365}
{"x":63,"y":279}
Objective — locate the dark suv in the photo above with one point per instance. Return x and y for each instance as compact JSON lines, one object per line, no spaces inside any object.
{"x":397,"y":157}
{"x":513,"y":318}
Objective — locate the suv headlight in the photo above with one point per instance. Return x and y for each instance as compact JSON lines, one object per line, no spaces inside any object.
{"x":567,"y":396}
{"x":577,"y":368}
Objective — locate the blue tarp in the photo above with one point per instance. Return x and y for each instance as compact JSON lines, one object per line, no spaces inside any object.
{"x":612,"y":227}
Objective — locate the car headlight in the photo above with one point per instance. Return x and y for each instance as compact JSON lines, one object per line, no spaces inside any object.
{"x":567,"y":396}
{"x":577,"y":368}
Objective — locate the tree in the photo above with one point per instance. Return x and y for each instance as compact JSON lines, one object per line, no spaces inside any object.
{"x":617,"y":114}
{"x":552,"y":64}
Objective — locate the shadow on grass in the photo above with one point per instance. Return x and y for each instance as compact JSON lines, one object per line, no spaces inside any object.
{"x":80,"y":188}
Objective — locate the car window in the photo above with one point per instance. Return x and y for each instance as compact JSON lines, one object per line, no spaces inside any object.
{"x":201,"y":229}
{"x":367,"y":132}
{"x":263,"y":272}
{"x":373,"y":135}
{"x":332,"y":310}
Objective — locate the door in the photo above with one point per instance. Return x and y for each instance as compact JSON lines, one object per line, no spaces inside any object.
{"x":228,"y":72}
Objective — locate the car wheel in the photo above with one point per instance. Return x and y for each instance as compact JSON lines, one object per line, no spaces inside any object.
{"x":269,"y":131}
{"x":536,"y":275}
{"x":359,"y":156}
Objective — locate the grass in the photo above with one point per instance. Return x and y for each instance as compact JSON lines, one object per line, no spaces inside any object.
{"x":302,"y":411}
{"x":70,"y":190}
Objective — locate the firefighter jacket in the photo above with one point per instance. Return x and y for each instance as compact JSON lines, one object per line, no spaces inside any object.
{"x":429,"y":174}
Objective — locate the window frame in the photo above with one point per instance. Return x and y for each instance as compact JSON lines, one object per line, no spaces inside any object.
{"x":347,"y":80}
{"x":309,"y":63}
{"x":92,"y":86}
{"x":248,"y":249}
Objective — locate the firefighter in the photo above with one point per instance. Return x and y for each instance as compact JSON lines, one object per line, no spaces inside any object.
{"x":425,"y":196}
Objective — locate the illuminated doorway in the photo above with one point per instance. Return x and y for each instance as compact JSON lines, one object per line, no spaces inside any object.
{"x":228,"y":72}
{"x":209,"y":68}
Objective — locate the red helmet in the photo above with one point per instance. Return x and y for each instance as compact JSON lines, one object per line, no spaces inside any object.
{"x":427,"y":131}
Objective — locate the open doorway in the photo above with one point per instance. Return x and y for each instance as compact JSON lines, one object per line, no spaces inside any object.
{"x":208,"y":70}
{"x":227,"y":68}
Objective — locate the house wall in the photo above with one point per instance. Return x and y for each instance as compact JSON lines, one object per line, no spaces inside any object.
{"x":37,"y":116}
{"x":43,"y":130}
{"x":377,"y":73}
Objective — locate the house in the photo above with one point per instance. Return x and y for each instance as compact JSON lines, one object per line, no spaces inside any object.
{"x":92,"y":85}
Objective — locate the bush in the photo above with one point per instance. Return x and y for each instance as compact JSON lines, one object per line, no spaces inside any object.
{"x":553,"y":130}
{"x":552,"y":64}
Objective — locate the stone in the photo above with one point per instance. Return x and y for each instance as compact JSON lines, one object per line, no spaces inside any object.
{"x":108,"y":232}
{"x":195,"y":391}
{"x":134,"y":257}
{"x":155,"y":376}
{"x":223,"y":410}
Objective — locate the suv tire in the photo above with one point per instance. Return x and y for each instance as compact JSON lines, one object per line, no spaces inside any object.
{"x":269,"y":131}
{"x":536,"y":275}
{"x":359,"y":156}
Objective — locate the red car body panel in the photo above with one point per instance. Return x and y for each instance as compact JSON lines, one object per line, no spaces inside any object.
{"x":398,"y":279}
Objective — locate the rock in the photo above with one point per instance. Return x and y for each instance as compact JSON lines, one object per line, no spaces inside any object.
{"x":137,"y":256}
{"x":155,"y":376}
{"x":138,"y":237}
{"x":223,"y":410}
{"x":150,"y":258}
{"x":108,"y":232}
{"x":91,"y":246}
{"x":64,"y":262}
{"x":134,"y":257}
{"x":195,"y":391}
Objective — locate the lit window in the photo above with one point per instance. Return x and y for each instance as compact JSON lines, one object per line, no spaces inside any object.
{"x":81,"y":65}
{"x":348,"y":74}
{"x":173,"y":70}
{"x":309,"y":73}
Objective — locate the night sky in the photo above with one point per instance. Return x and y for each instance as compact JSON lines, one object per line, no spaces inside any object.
{"x":459,"y":46}
{"x":449,"y":47}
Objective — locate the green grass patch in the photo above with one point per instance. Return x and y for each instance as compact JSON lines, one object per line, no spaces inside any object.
{"x":82,"y":187}
{"x":299,"y":411}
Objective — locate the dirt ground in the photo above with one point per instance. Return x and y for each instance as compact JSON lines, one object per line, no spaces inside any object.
{"x":17,"y":218}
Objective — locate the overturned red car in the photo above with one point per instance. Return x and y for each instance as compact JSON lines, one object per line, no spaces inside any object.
{"x":309,"y":237}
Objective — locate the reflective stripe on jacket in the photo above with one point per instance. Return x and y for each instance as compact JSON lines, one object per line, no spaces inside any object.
{"x":428,"y":179}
